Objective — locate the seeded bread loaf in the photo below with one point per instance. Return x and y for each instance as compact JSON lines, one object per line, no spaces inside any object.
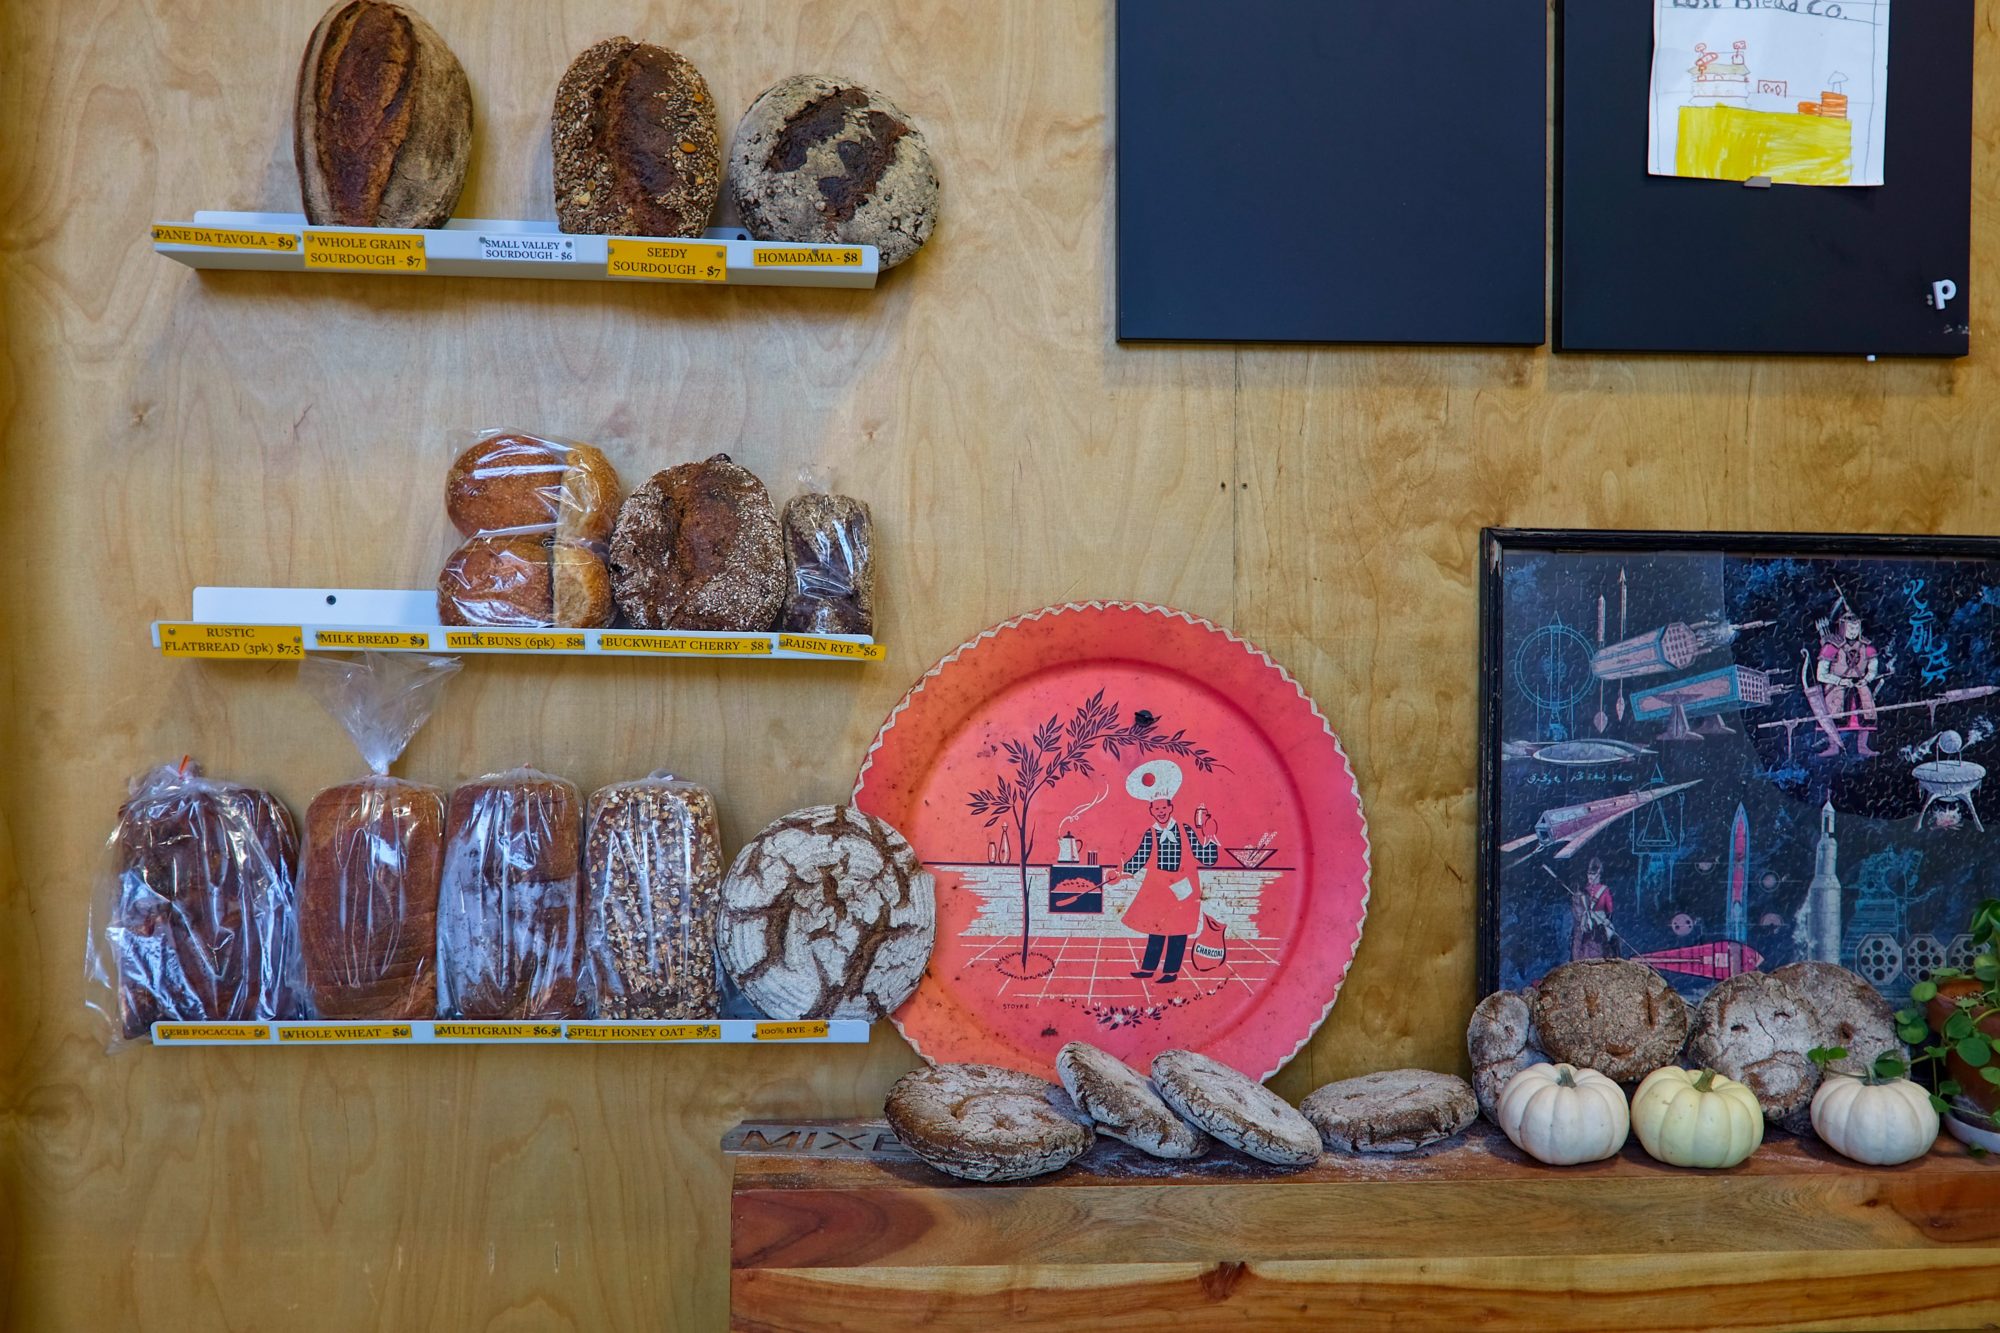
{"x":653,"y":868}
{"x":697,"y":548}
{"x":637,"y":149}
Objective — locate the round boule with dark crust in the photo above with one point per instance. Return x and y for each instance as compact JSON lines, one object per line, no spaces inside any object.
{"x":981,"y":1122}
{"x":636,"y":145}
{"x":1397,"y":1110}
{"x":1757,"y":1029}
{"x":1235,"y":1108}
{"x":698,"y":548}
{"x":830,"y":161}
{"x":827,"y":914}
{"x":1620,"y":1018}
{"x":1502,"y":1041}
{"x":1123,"y":1104}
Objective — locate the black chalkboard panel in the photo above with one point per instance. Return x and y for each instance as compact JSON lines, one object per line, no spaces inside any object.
{"x":1332,"y":170}
{"x":1660,"y":264}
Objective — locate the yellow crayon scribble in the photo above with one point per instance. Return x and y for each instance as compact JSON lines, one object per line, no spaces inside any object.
{"x":1731,"y":143}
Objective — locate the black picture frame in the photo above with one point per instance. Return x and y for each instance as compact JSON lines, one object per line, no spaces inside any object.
{"x":1498,"y":544}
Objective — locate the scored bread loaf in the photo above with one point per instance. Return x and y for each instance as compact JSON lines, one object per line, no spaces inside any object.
{"x":382,"y":120}
{"x":368,"y":898}
{"x":653,"y":884}
{"x":636,"y":147}
{"x":204,"y":925}
{"x":698,"y":547}
{"x":510,"y":909}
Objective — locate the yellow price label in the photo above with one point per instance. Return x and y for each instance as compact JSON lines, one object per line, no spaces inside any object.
{"x":819,"y":647}
{"x":496,"y":1031}
{"x":366,"y":251}
{"x":205,"y":1032}
{"x":335,"y":1032}
{"x":683,"y":645}
{"x":644,"y":1032}
{"x":225,"y":238}
{"x":235,"y":643}
{"x":666,"y":261}
{"x":369,"y":638}
{"x":793,"y":256}
{"x":507,"y":641}
{"x":791,"y":1031}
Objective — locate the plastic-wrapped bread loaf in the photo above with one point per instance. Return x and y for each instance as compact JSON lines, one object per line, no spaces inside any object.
{"x":830,"y":558}
{"x":653,"y":860}
{"x":368,"y":898}
{"x":510,"y":911}
{"x":200,"y":921}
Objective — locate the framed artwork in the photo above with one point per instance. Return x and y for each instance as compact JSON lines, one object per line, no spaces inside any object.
{"x":1720,"y":752}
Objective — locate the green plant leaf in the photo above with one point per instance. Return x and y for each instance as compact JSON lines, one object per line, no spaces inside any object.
{"x":1890,"y":1065}
{"x":1936,"y":1052}
{"x":1991,"y":1073}
{"x":1975,"y":1051}
{"x":1938,"y":1104}
{"x":1912,"y":1031}
{"x":1959,"y":1026}
{"x":1923,"y":992}
{"x":1826,"y":1055}
{"x":1949,"y":1088}
{"x":1946,"y":973}
{"x":1986,"y":967}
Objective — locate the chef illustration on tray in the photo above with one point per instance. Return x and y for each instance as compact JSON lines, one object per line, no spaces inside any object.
{"x":1167,"y":907}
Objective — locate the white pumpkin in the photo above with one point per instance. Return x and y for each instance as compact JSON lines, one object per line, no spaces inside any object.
{"x":1563,"y":1115}
{"x":1877,"y":1123}
{"x":1690,"y":1117}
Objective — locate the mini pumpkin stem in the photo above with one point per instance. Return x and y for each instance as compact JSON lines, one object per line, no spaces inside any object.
{"x":1565,"y":1076}
{"x":1706,"y":1083}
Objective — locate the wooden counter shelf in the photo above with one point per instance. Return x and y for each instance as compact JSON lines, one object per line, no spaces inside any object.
{"x":833,"y":1225}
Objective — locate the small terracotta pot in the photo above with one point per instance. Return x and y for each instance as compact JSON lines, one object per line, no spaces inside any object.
{"x":1975,"y":1088}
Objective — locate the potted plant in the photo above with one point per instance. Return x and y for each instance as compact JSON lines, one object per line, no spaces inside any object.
{"x":1955,"y":1013}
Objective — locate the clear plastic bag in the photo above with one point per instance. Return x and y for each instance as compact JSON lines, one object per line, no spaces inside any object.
{"x":535,"y":516}
{"x":653,"y":879}
{"x":374,"y":848}
{"x":195,"y":918}
{"x":510,"y":909}
{"x":830,"y":561}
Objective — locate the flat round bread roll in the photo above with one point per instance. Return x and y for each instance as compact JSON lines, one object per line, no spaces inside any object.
{"x":1621,"y":1019}
{"x":827,"y":914}
{"x":1124,"y":1104}
{"x":981,"y":1122}
{"x":1502,"y":1041}
{"x":1757,"y":1029}
{"x":1852,"y":1015}
{"x":1397,"y":1110}
{"x":1240,"y":1111}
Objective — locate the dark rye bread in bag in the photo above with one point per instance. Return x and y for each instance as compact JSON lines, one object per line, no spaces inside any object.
{"x":382,"y":124}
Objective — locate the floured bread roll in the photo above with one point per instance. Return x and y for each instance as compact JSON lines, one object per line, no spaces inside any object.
{"x":982,"y":1122}
{"x":1237,"y":1109}
{"x":1124,"y":1104}
{"x":827,"y":914}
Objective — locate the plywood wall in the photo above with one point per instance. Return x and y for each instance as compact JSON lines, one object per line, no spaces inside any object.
{"x":163,"y":429}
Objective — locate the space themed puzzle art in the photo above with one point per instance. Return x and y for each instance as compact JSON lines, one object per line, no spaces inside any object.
{"x":1718,"y":753}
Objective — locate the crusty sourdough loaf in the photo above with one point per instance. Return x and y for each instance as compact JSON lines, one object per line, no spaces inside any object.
{"x":368,"y":897}
{"x":697,"y":548}
{"x":819,"y":159}
{"x":1502,"y":1041}
{"x":1757,"y":1029}
{"x":1617,"y":1017}
{"x":382,"y":122}
{"x":636,"y":147}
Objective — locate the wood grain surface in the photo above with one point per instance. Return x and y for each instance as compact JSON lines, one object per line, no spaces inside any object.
{"x":160,"y":428}
{"x":837,"y":1225}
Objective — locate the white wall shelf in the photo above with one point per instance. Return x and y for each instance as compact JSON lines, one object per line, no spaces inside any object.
{"x":284,"y":624}
{"x":488,"y":248}
{"x":474,"y":1032}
